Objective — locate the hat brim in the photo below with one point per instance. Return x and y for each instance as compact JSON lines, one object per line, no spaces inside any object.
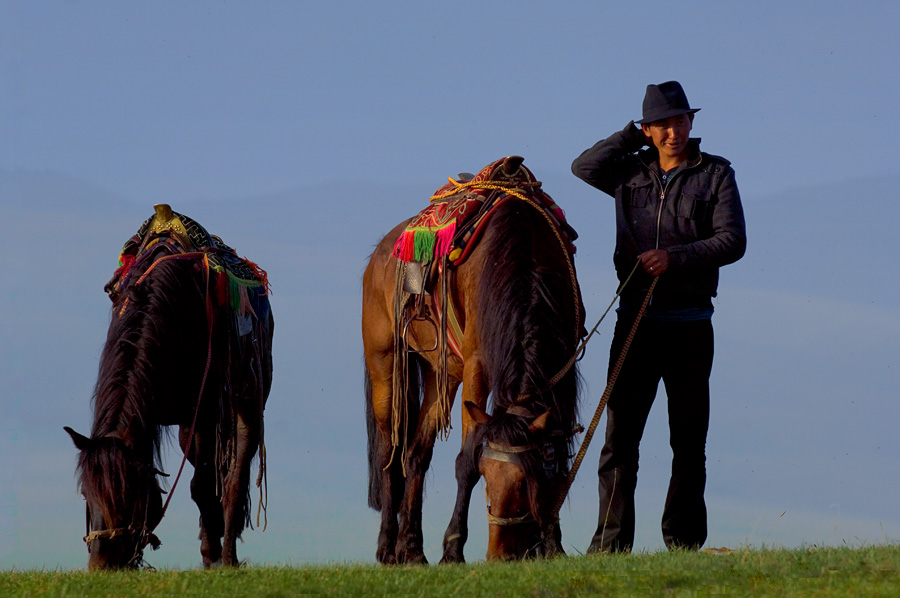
{"x":664,"y":114}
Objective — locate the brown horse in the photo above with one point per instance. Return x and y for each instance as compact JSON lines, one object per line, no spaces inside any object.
{"x":519,"y":308}
{"x":177,"y":353}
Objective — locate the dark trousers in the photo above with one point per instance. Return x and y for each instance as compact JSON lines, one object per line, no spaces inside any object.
{"x":681,"y":355}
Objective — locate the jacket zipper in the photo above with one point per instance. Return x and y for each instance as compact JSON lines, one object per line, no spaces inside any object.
{"x":662,"y":194}
{"x":662,"y":200}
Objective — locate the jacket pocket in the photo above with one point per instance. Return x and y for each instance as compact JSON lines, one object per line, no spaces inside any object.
{"x":695,"y":204}
{"x":638,"y":193}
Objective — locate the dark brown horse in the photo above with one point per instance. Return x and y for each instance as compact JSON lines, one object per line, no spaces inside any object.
{"x":174,"y":330}
{"x":519,"y":309}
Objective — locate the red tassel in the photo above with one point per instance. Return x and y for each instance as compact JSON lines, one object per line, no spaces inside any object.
{"x":405,"y":247}
{"x":126,"y":262}
{"x":222,"y":288}
{"x":260,"y":274}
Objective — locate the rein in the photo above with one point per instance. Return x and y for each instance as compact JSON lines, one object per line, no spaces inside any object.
{"x":589,"y":434}
{"x":209,"y":321}
{"x":511,"y":454}
{"x":583,"y":346}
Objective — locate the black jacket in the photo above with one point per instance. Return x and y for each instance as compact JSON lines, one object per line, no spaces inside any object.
{"x":697,"y":216}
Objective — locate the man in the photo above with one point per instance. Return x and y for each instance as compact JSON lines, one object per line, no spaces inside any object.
{"x":679,"y":216}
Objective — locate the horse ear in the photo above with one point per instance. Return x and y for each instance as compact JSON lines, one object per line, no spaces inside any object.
{"x":82,"y":443}
{"x":477,"y":413}
{"x":540,"y":422}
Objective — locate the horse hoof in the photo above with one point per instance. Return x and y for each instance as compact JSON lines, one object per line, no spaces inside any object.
{"x":416,"y":557}
{"x":386,"y":559}
{"x":452,"y":559}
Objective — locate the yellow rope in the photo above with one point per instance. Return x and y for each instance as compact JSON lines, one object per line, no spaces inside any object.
{"x":516,"y":192}
{"x":459,"y":186}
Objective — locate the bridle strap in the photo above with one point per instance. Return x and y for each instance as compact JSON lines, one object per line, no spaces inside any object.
{"x":506,"y":454}
{"x":505,"y":521}
{"x":107,"y":533}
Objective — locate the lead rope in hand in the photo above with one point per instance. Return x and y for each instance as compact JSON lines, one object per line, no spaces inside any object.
{"x":589,"y":434}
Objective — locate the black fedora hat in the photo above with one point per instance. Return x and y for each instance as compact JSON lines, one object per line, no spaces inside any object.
{"x":665,"y":100}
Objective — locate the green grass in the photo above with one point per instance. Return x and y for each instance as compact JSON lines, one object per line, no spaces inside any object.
{"x":866,"y":571}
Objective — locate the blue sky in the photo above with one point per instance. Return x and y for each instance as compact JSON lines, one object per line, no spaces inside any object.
{"x":302,"y":132}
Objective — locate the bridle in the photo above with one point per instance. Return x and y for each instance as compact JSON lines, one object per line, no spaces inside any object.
{"x":145,"y":535}
{"x":506,"y":454}
{"x":514,"y":454}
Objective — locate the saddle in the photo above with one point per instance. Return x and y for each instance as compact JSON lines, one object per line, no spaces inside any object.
{"x":440,"y":238}
{"x":238,"y":281}
{"x":452,"y":224}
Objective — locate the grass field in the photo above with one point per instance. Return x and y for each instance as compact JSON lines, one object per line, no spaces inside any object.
{"x":866,"y":571}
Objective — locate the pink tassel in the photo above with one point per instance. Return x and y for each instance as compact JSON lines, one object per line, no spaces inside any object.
{"x":444,"y":240}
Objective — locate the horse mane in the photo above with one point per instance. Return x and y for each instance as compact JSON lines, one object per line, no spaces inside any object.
{"x":134,"y":357}
{"x":103,"y":475}
{"x":528,"y":323}
{"x":526,"y":313}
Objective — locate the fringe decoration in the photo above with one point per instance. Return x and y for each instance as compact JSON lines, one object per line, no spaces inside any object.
{"x":126,"y":261}
{"x":236,"y":291}
{"x":405,"y":247}
{"x":421,"y":244}
{"x":424,"y":244}
{"x":222,"y":287}
{"x":444,"y":240}
{"x":399,"y":412}
{"x":444,"y":401}
{"x":261,"y":275}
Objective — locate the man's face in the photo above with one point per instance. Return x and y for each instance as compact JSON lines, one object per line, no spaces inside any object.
{"x":670,"y":135}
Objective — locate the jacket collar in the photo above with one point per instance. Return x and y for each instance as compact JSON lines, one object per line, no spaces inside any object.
{"x":650,"y":156}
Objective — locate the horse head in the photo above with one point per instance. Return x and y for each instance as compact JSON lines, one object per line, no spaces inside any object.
{"x":123,"y":501}
{"x":522,"y":460}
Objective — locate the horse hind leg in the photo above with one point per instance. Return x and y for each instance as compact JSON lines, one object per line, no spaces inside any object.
{"x":410,"y":543}
{"x":235,"y":503}
{"x":386,"y":480}
{"x":203,"y":492}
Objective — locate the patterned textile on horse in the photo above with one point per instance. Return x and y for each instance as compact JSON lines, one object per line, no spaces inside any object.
{"x":238,"y":281}
{"x":235,"y":284}
{"x":451,"y":224}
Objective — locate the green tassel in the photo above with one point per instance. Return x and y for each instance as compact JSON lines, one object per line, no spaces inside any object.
{"x":424,"y":245}
{"x":235,"y":290}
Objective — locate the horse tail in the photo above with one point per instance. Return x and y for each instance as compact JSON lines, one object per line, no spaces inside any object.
{"x":377,"y":442}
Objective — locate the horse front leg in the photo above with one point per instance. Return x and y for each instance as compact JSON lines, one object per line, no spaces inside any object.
{"x":235,"y":489}
{"x":474,"y":390}
{"x":203,"y":492}
{"x":458,"y":529}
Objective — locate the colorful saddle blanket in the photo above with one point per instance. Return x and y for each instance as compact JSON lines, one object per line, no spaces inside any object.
{"x":238,"y":281}
{"x":441,"y":229}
